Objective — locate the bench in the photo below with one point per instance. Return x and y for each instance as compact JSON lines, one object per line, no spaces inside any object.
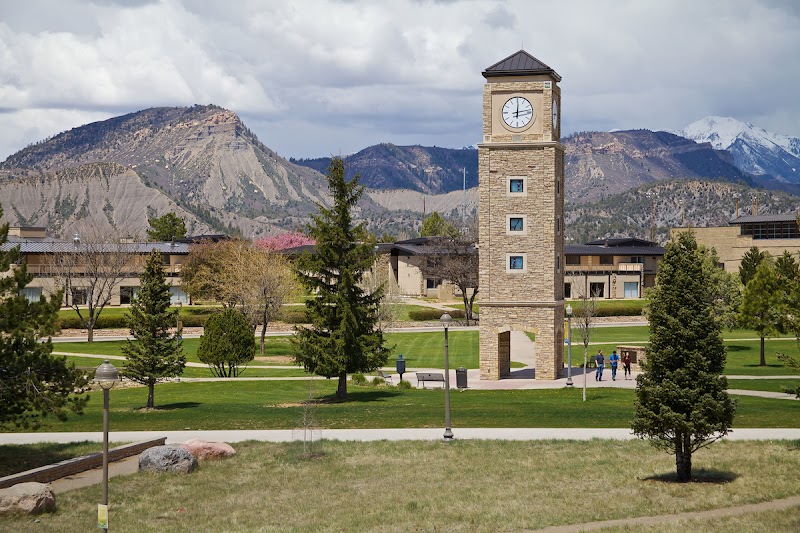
{"x":386,"y":377}
{"x":422,"y":377}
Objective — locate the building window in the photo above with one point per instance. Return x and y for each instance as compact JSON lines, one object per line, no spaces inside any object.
{"x":516,"y":263}
{"x":558,"y":264}
{"x":127,"y":294}
{"x":176,"y":294}
{"x":432,"y":283}
{"x":637,"y":259}
{"x":597,"y":290}
{"x":631,"y":289}
{"x":567,"y":290}
{"x":516,"y":186}
{"x":516,"y":224}
{"x":573,"y":260}
{"x":32,"y":294}
{"x":79,"y":297}
{"x":606,"y":259}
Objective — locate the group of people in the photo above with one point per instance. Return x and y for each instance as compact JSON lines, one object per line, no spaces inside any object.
{"x":613,"y":360}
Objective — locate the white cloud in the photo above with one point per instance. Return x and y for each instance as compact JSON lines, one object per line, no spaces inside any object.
{"x":316,"y":76}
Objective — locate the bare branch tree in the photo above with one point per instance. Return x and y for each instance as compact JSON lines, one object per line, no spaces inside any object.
{"x":91,"y":269}
{"x":585,"y":316}
{"x":455,"y":260}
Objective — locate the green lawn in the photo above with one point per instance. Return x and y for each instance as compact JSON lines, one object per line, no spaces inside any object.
{"x":90,"y":363}
{"x":769,"y":385}
{"x":278,"y":405}
{"x":476,"y":486}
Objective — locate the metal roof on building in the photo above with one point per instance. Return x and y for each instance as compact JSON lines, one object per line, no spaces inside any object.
{"x":591,"y":249}
{"x":622,"y":242}
{"x":520,"y":64}
{"x":750,"y":219}
{"x":52,"y":247}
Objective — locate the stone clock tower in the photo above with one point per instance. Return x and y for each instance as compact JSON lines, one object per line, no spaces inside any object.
{"x":521,"y":215}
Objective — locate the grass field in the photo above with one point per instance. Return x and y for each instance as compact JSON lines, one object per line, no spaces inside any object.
{"x":279,"y":405}
{"x":770,"y":385}
{"x":482,"y":486}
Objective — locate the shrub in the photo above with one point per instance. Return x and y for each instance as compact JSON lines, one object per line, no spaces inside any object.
{"x":227,"y":343}
{"x":403,"y":384}
{"x":358,"y":379}
{"x":378,"y":381}
{"x":433,"y":314}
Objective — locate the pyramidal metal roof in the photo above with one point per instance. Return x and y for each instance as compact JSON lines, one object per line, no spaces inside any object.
{"x":520,"y":64}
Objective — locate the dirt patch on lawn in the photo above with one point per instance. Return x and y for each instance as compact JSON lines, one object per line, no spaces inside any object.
{"x":275,"y":359}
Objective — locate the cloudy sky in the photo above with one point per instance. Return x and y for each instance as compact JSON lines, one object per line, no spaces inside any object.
{"x":316,"y":77}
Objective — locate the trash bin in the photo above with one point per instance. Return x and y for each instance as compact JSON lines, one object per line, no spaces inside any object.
{"x":461,"y":377}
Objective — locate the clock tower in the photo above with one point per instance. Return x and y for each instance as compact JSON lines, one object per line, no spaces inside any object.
{"x":521,"y":215}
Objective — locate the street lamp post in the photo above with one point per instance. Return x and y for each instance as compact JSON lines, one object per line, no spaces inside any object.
{"x":569,"y":345}
{"x":446,"y":319}
{"x":178,"y":328}
{"x":106,"y":376}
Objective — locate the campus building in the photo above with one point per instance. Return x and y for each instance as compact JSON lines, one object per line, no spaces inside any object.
{"x":40,"y":254}
{"x":608,"y":269}
{"x":770,"y":233}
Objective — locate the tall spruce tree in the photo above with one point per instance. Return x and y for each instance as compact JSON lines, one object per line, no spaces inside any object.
{"x":155,"y":354}
{"x":750,"y":261}
{"x":344,"y":336}
{"x":33,"y":382}
{"x":764,"y":304}
{"x":681,"y":399}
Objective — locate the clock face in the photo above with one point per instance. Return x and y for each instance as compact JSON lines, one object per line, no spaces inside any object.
{"x":517,"y":112}
{"x":555,"y":118}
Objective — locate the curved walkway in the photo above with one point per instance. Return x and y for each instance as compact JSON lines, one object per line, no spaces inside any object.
{"x":774,"y":505}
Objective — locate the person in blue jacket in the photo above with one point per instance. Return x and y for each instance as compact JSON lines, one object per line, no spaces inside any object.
{"x":614,"y":360}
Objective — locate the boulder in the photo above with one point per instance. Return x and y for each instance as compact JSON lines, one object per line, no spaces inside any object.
{"x":203,"y":449}
{"x":30,"y":498}
{"x":167,"y":459}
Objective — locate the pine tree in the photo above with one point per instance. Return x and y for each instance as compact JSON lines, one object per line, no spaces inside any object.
{"x":156,"y":354}
{"x":344,"y":336}
{"x":681,"y":399}
{"x":166,"y":228}
{"x":763,"y":304}
{"x":33,"y":382}
{"x":227,"y":343}
{"x":750,"y":261}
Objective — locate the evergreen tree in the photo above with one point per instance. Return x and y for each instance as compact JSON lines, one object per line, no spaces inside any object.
{"x":345,"y":335}
{"x":227,"y":343}
{"x":33,"y":382}
{"x":436,"y":226}
{"x":156,"y":354}
{"x":750,"y":261}
{"x":681,"y":399}
{"x":166,"y":228}
{"x":763,"y":304}
{"x":787,"y":269}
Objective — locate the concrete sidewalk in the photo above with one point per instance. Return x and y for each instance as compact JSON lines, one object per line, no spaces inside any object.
{"x":367,"y":435}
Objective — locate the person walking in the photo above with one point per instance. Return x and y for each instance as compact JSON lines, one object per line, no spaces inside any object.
{"x":599,"y":360}
{"x":614,"y":360}
{"x":626,"y":364}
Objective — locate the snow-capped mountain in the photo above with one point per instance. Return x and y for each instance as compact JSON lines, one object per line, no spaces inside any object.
{"x":755,"y":150}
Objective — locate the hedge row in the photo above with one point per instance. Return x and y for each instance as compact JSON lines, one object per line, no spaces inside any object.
{"x":433,"y":314}
{"x":632,"y":308}
{"x":121,"y":321}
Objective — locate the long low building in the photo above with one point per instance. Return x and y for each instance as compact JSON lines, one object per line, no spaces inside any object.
{"x":769,"y":233}
{"x":609,"y":269}
{"x":51,"y":263}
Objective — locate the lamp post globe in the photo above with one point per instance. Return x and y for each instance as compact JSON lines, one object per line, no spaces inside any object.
{"x":446,"y":320}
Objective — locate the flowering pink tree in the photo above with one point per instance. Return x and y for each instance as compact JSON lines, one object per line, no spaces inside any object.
{"x":283,"y":241}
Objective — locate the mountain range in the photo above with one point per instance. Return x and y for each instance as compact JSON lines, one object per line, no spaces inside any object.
{"x":205,"y":165}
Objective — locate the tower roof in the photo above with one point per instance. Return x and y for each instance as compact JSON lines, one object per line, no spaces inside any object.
{"x":520,"y":64}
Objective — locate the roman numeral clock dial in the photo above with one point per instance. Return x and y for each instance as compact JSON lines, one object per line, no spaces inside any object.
{"x":517,"y":112}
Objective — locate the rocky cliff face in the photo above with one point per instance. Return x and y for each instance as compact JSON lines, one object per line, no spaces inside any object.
{"x":602,"y":164}
{"x":200,"y":161}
